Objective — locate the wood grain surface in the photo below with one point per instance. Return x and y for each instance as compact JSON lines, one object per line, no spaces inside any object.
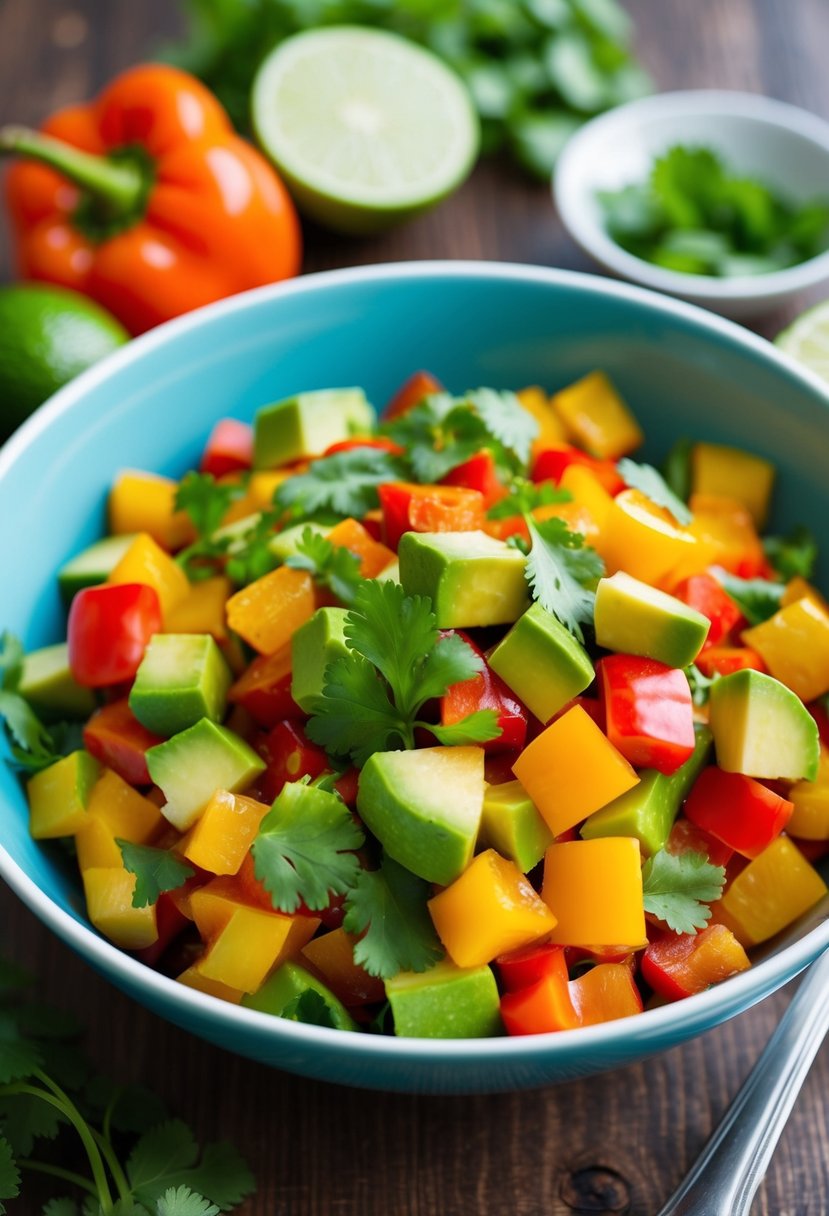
{"x":616,"y":1143}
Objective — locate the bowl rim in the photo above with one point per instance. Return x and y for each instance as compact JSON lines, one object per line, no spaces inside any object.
{"x":662,"y":1025}
{"x":592,"y":238}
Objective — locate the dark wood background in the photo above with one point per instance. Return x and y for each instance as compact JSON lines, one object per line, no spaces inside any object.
{"x":612,"y":1144}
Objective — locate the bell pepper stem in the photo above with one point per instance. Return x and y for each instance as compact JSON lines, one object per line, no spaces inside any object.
{"x":117,"y":188}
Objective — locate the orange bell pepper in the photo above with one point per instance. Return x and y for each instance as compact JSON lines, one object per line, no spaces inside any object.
{"x":332,"y":957}
{"x":268,"y":612}
{"x":769,"y":893}
{"x":147,"y":201}
{"x":374,"y":556}
{"x":408,"y":507}
{"x":679,"y":965}
{"x":604,"y":993}
{"x":594,"y":888}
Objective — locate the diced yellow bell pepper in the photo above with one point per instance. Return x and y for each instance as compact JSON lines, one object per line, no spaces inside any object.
{"x":203,"y":609}
{"x":773,"y":890}
{"x":587,"y":492}
{"x":115,"y":811}
{"x":490,"y":910}
{"x":251,"y":944}
{"x":95,"y":846}
{"x":146,"y":562}
{"x":145,"y":502}
{"x":193,"y":979}
{"x":332,"y":956}
{"x":571,"y":770}
{"x":794,"y":645}
{"x":646,"y":541}
{"x":810,"y":817}
{"x":551,"y":432}
{"x":594,"y":888}
{"x":59,"y":796}
{"x":264,"y":484}
{"x":219,"y":840}
{"x":109,"y":906}
{"x":596,"y":418}
{"x":727,"y":527}
{"x":799,"y":589}
{"x":268,"y":612}
{"x":733,"y":473}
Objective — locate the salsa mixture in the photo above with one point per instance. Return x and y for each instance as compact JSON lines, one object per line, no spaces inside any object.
{"x":457,"y":724}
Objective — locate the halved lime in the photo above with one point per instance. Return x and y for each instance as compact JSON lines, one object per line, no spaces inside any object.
{"x":807,"y":339}
{"x":366,"y":128}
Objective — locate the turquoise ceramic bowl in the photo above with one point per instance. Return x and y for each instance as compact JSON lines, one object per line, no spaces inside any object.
{"x":151,"y":405}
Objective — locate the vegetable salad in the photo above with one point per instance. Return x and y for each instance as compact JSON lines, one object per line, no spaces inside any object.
{"x":462,"y":723}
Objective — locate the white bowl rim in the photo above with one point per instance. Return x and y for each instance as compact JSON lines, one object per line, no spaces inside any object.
{"x":591,"y":236}
{"x":690,"y":1016}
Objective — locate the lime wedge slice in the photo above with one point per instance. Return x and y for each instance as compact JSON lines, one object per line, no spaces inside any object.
{"x":365,"y":127}
{"x":807,"y":339}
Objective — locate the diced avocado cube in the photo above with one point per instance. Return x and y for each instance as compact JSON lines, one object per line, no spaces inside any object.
{"x":47,"y":684}
{"x":284,"y":544}
{"x":93,"y":565}
{"x":58,"y":795}
{"x":542,"y":663}
{"x":290,"y":982}
{"x":512,"y":825}
{"x":191,"y":766}
{"x":445,"y":1002}
{"x":762,"y":729}
{"x":314,"y":645}
{"x":471,"y":578}
{"x":425,"y":807}
{"x":183,"y":677}
{"x":648,"y":810}
{"x":632,"y":617}
{"x":307,"y":424}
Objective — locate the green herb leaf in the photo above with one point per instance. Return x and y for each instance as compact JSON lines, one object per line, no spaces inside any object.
{"x":162,"y":1153}
{"x":181,"y":1201}
{"x":65,"y":1206}
{"x":19,"y":1056}
{"x":249,"y":556}
{"x":155,"y":870}
{"x":525,"y":496}
{"x":332,"y":566}
{"x":345,"y":484}
{"x":355,"y":716}
{"x":438,"y":434}
{"x":477,"y":727}
{"x":305,"y":849}
{"x":31,"y":744}
{"x":699,"y":684}
{"x":794,"y":555}
{"x":388,"y":906}
{"x":311,"y":1008}
{"x":678,"y":888}
{"x":25,"y":1119}
{"x":676,"y":469}
{"x":206,"y":501}
{"x":563,"y":572}
{"x":757,"y":598}
{"x":650,"y":482}
{"x":9,"y":1174}
{"x":11,"y":661}
{"x":505,"y":420}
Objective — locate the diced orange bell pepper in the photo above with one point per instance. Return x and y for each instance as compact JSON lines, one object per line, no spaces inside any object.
{"x":571,"y":770}
{"x":769,"y":893}
{"x":810,"y":817}
{"x":540,"y":1008}
{"x":727,"y":529}
{"x":203,"y":609}
{"x":146,"y":562}
{"x":594,"y":888}
{"x":646,"y":541}
{"x":724,"y":660}
{"x":733,"y":473}
{"x":679,"y":965}
{"x":408,"y":507}
{"x":373,"y":555}
{"x":605,"y":993}
{"x":587,"y":492}
{"x":250,"y":944}
{"x":268,"y":612}
{"x":794,"y":644}
{"x":145,"y":502}
{"x":332,"y":956}
{"x":95,"y":846}
{"x":419,"y":385}
{"x":115,"y":737}
{"x":799,"y":589}
{"x":115,"y":811}
{"x":490,"y":909}
{"x":59,"y":796}
{"x":221,"y":837}
{"x":551,"y":429}
{"x":109,"y":906}
{"x":193,"y":978}
{"x":596,"y":417}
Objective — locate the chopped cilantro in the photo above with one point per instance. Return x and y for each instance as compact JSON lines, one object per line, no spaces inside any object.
{"x":206,"y":503}
{"x":757,"y":598}
{"x":525,"y":496}
{"x":677,"y":888}
{"x":794,"y":555}
{"x":699,"y":684}
{"x":155,"y":870}
{"x":344,"y":484}
{"x":388,"y":907}
{"x":309,"y":1007}
{"x":650,"y":482}
{"x":563,"y":572}
{"x":332,"y":566}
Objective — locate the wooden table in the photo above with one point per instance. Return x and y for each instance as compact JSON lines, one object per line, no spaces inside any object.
{"x":616,"y":1143}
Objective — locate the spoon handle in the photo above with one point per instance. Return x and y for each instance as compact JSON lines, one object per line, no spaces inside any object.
{"x":725,"y":1177}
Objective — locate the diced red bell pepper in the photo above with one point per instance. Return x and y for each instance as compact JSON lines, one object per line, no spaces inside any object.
{"x":264,"y":689}
{"x":605,"y":993}
{"x":706,"y":595}
{"x":648,"y":711}
{"x":543,"y":1006}
{"x":378,"y":442}
{"x":229,"y":448}
{"x":419,"y":385}
{"x":289,"y":756}
{"x":412,"y":508}
{"x":346,"y":786}
{"x":486,"y":691}
{"x":551,"y":463}
{"x":738,"y":810}
{"x":478,"y":473}
{"x":686,"y":837}
{"x":723,"y":660}
{"x":116,"y":738}
{"x":523,"y":968}
{"x":170,"y":923}
{"x":108,"y":631}
{"x":679,"y":965}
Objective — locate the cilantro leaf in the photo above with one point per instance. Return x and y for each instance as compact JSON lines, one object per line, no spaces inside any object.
{"x":25,"y":1118}
{"x":250,"y":556}
{"x":650,"y":482}
{"x":757,"y":598}
{"x":32,"y":745}
{"x":311,"y":1008}
{"x":388,"y":906}
{"x":699,"y":684}
{"x":181,"y":1201}
{"x":305,"y":848}
{"x":155,"y":870}
{"x":563,"y":572}
{"x":676,"y":469}
{"x":332,"y":566}
{"x":9,"y":1174}
{"x":206,"y":501}
{"x":793,"y":556}
{"x":477,"y":727}
{"x":167,"y":1157}
{"x":11,"y":660}
{"x":506,"y":420}
{"x":19,"y":1056}
{"x":355,"y":716}
{"x":677,"y":888}
{"x":525,"y":496}
{"x":65,"y":1206}
{"x":345,"y":484}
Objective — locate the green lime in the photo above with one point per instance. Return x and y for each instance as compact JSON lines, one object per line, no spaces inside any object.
{"x":807,"y":339}
{"x":366,"y":128}
{"x":47,"y":336}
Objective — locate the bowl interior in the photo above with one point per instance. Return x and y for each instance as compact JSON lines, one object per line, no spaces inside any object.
{"x":151,"y":406}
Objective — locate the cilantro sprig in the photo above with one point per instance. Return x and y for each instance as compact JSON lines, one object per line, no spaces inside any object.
{"x":332,"y":566}
{"x":679,"y":887}
{"x":793,"y":555}
{"x":757,"y":598}
{"x":387,"y":910}
{"x":373,"y":697}
{"x":31,"y":744}
{"x":155,"y":870}
{"x":525,"y":496}
{"x":344,"y":485}
{"x":650,"y":482}
{"x":206,"y":503}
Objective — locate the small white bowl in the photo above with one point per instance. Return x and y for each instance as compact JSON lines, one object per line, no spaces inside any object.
{"x":756,"y":136}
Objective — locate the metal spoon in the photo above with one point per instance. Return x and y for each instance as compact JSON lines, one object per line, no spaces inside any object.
{"x":725,"y":1178}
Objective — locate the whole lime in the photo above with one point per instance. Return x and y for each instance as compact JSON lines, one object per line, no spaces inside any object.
{"x":47,"y":336}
